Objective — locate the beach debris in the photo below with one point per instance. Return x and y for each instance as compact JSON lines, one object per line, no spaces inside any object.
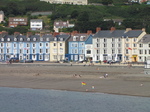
{"x":141,"y":84}
{"x":37,"y":74}
{"x":75,"y":75}
{"x":83,"y":83}
{"x":93,"y":87}
{"x":97,"y":69}
{"x":101,"y":77}
{"x":105,"y":75}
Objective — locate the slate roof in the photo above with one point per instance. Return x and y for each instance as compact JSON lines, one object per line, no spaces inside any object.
{"x":117,"y":33}
{"x":25,"y":38}
{"x":78,"y":35}
{"x":145,"y":39}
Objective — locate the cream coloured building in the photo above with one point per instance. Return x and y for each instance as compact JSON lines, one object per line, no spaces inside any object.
{"x":75,"y":2}
{"x":1,"y":16}
{"x":59,"y":47}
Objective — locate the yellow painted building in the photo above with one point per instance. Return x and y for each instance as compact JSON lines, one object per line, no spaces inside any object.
{"x":59,"y":47}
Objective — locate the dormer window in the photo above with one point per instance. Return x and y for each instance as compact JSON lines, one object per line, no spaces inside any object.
{"x":28,"y":39}
{"x":47,"y":39}
{"x":21,"y":39}
{"x":81,"y":38}
{"x":2,"y":39}
{"x":41,"y":39}
{"x":15,"y":39}
{"x":61,"y":39}
{"x":74,"y":38}
{"x":55,"y":39}
{"x":8,"y":39}
{"x":34,"y":39}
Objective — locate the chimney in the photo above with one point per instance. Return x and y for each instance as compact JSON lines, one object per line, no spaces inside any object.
{"x":89,"y":32}
{"x":112,"y":29}
{"x":55,"y":33}
{"x":98,"y":29}
{"x":74,"y":32}
{"x":16,"y":34}
{"x":143,"y":29}
{"x":29,"y":34}
{"x":128,"y":29}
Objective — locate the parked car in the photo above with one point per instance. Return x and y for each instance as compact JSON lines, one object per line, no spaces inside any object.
{"x":14,"y":60}
{"x":29,"y":61}
{"x":110,"y":61}
{"x":105,"y":61}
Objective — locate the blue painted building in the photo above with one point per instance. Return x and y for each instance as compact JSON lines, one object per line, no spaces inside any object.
{"x":25,"y":47}
{"x":76,"y":46}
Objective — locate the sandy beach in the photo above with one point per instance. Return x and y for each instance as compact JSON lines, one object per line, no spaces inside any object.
{"x":121,"y":80}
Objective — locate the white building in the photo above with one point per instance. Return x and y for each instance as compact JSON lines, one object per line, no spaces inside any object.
{"x":36,"y":24}
{"x":75,"y":2}
{"x":144,"y":48}
{"x":1,"y":16}
{"x":117,"y":45}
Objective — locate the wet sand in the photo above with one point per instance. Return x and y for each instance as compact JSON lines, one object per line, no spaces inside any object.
{"x":121,"y":80}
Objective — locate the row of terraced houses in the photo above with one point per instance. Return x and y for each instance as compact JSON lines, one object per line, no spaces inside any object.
{"x":119,"y":45}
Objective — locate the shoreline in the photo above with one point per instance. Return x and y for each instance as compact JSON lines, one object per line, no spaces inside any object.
{"x":121,"y":81}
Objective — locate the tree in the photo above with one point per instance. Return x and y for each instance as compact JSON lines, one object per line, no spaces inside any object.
{"x":106,"y":2}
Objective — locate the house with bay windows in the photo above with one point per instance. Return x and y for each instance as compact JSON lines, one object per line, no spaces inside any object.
{"x":59,"y":47}
{"x":117,"y":45}
{"x":77,"y":48}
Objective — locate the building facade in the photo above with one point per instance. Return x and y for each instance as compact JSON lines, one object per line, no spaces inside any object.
{"x":36,"y":24}
{"x":1,"y":16}
{"x":75,"y":2}
{"x":15,"y":21}
{"x":25,"y":47}
{"x":59,"y":47}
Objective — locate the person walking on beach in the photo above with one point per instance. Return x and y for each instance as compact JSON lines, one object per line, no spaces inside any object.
{"x":105,"y":75}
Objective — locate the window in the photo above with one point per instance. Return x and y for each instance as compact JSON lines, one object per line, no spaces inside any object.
{"x":33,"y":50}
{"x":21,"y":51}
{"x":55,"y":56}
{"x":88,"y":51}
{"x":127,"y":39}
{"x":41,"y":39}
{"x":21,"y":39}
{"x":113,"y":51}
{"x":149,"y":51}
{"x":105,"y":40}
{"x":8,"y":39}
{"x":60,"y":44}
{"x":27,"y":51}
{"x":2,"y":39}
{"x":15,"y":45}
{"x":75,"y":45}
{"x":113,"y":45}
{"x":119,"y":51}
{"x":97,"y":51}
{"x":127,"y":51}
{"x":127,"y":45}
{"x":105,"y":51}
{"x":119,"y":45}
{"x":2,"y":44}
{"x":47,"y":44}
{"x":113,"y":39}
{"x":134,"y":45}
{"x":54,"y":50}
{"x":41,"y":51}
{"x":140,"y":51}
{"x":8,"y":44}
{"x":21,"y":45}
{"x":119,"y":39}
{"x":47,"y":51}
{"x":15,"y":39}
{"x":28,"y":39}
{"x":41,"y":57}
{"x":34,"y":39}
{"x":75,"y":51}
{"x":2,"y":51}
{"x":140,"y":45}
{"x":61,"y":50}
{"x":97,"y":40}
{"x":33,"y":45}
{"x":105,"y":45}
{"x":134,"y":39}
{"x":28,"y":45}
{"x":97,"y":45}
{"x":145,"y":51}
{"x":54,"y":44}
{"x":47,"y":39}
{"x":40,"y":44}
{"x":97,"y":57}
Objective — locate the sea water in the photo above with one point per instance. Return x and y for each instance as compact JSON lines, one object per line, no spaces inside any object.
{"x":40,"y":100}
